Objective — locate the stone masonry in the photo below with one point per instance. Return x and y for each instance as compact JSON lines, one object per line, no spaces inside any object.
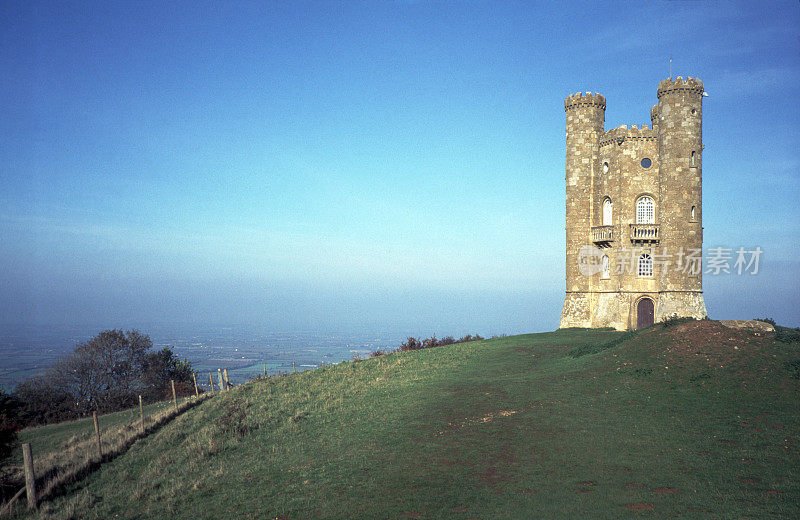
{"x":634,"y":212}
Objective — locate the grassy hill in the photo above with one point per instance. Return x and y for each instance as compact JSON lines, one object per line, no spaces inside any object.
{"x":690,"y":421}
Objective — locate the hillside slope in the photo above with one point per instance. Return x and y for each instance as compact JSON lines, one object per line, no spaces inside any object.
{"x":691,"y":421}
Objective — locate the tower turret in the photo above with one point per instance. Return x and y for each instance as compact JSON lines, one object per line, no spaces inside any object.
{"x":680,"y":144}
{"x":585,"y":114}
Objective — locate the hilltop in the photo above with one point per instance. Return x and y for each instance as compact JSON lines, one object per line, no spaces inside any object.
{"x":694,"y":420}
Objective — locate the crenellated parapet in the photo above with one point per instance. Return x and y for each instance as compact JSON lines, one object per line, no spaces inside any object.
{"x":585,"y":99}
{"x":622,"y":133}
{"x":679,"y":84}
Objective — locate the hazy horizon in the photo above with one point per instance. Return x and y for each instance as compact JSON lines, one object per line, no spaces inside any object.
{"x":363,"y":166}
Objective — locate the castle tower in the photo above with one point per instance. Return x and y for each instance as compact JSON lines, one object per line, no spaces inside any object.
{"x":633,"y":212}
{"x":585,"y":121}
{"x":680,"y":144}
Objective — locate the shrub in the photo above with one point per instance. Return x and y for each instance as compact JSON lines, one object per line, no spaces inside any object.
{"x":9,"y":424}
{"x":767,"y":320}
{"x":673,"y":320}
{"x":416,"y":344}
{"x":430,"y":342}
{"x":411,"y":344}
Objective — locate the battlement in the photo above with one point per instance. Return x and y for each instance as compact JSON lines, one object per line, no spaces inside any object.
{"x":654,"y":114}
{"x":622,"y":133}
{"x":585,"y":99}
{"x":680,"y":84}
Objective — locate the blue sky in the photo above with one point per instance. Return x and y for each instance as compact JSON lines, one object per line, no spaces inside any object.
{"x":375,"y":166}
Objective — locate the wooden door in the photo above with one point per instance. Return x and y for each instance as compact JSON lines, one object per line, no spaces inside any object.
{"x":644,"y":313}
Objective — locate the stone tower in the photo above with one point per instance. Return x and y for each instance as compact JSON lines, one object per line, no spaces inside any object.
{"x":634,"y":212}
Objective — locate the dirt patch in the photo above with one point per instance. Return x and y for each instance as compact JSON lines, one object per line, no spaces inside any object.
{"x":459,"y":509}
{"x":640,"y":507}
{"x":705,"y":346}
{"x":749,"y":480}
{"x":665,"y":491}
{"x":634,"y":485}
{"x":467,"y":421}
{"x":530,"y":491}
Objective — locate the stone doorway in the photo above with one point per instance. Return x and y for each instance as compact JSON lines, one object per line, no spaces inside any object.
{"x":644,"y":313}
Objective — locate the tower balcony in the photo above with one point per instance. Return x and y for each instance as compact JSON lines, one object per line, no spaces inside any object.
{"x":602,"y":236}
{"x":645,"y":234}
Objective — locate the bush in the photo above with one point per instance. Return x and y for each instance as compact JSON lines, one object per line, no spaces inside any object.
{"x":671,"y":321}
{"x":767,"y":320}
{"x":9,"y":425}
{"x":411,"y":344}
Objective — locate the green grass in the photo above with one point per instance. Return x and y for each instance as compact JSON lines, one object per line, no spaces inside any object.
{"x":53,"y":437}
{"x":691,"y":421}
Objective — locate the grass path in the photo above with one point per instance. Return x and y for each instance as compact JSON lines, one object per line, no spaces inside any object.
{"x":695,"y":421}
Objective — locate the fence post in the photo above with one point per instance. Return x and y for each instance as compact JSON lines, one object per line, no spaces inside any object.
{"x":97,"y":433}
{"x":294,"y":370}
{"x":265,"y":370}
{"x":211,"y":380}
{"x":196,"y":391}
{"x":174,"y":397}
{"x":30,"y":476}
{"x":227,"y":383}
{"x":141,"y":414}
{"x":221,"y":384}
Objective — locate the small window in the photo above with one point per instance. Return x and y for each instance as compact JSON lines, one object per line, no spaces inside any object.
{"x":645,"y":265}
{"x":606,"y":267}
{"x":692,"y":157}
{"x":694,"y":111}
{"x":607,"y":212}
{"x":646,"y":163}
{"x":693,"y":214}
{"x":605,"y":167}
{"x":645,"y":211}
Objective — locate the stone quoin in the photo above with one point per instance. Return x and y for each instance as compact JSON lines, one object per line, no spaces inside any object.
{"x":634,"y":212}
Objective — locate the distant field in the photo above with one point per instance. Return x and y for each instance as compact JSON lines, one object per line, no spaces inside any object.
{"x":691,"y":421}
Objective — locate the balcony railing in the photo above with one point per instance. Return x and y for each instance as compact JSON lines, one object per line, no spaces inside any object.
{"x":645,"y":233}
{"x":602,"y":235}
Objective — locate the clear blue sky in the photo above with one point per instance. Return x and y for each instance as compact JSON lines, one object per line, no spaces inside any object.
{"x":378,"y":165}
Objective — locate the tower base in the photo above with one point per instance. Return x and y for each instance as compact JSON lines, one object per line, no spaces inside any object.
{"x":619,"y":310}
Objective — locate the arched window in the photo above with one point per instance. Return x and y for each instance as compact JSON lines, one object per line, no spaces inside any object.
{"x":645,"y":211}
{"x":694,"y":213}
{"x":607,"y":207}
{"x":606,"y":267}
{"x":693,"y":158}
{"x":645,"y":265}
